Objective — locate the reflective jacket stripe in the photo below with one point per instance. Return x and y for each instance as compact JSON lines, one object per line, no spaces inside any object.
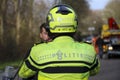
{"x":95,"y":65}
{"x":63,"y":69}
{"x":59,"y":62}
{"x":31,"y":66}
{"x":67,"y":69}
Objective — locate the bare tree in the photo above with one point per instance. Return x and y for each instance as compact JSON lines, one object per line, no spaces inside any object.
{"x":30,"y":17}
{"x":112,"y":10}
{"x":18,"y":20}
{"x":3,"y":9}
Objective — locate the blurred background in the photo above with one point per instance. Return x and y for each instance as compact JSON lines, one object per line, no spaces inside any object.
{"x":20,"y":21}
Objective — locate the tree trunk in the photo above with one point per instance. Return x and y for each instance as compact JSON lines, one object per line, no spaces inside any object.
{"x":30,"y":18}
{"x":18,"y":20}
{"x":3,"y":22}
{"x":17,"y":28}
{"x":1,"y":30}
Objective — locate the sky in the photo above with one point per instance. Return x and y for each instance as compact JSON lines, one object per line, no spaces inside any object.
{"x":98,"y":4}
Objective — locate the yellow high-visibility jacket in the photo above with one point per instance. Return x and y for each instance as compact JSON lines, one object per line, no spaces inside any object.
{"x":61,"y":59}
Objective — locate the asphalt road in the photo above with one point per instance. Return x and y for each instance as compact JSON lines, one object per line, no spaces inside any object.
{"x":110,"y":70}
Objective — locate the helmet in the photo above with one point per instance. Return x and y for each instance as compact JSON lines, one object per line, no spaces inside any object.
{"x":62,"y":19}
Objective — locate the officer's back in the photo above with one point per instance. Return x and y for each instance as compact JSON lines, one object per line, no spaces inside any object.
{"x":63,"y":58}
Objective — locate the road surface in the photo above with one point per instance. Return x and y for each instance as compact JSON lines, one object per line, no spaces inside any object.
{"x":110,"y":70}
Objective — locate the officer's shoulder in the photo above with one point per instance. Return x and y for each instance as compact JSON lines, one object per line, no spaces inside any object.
{"x":40,"y":44}
{"x":37,"y":43}
{"x":85,"y":44}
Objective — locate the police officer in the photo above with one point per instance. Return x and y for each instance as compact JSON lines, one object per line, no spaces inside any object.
{"x":63,"y":58}
{"x":44,"y":39}
{"x":99,"y":43}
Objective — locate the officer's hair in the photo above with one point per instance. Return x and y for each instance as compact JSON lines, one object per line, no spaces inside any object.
{"x":43,"y":25}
